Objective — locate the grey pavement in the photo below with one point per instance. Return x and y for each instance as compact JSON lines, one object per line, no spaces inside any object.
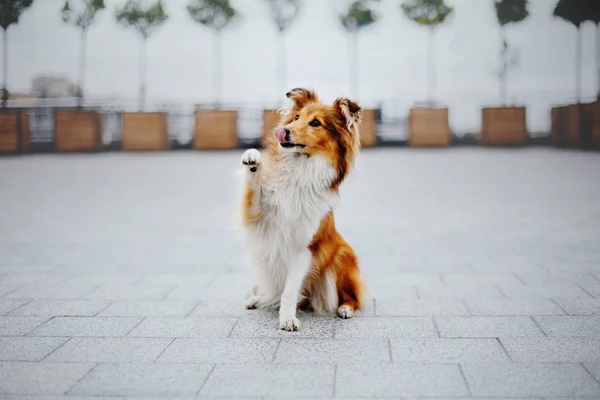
{"x":121,"y":276}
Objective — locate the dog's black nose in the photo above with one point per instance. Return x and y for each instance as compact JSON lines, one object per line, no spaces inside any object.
{"x":287,"y":134}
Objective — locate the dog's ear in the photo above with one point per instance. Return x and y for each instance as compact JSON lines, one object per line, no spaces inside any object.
{"x":301,"y":97}
{"x":350,"y":112}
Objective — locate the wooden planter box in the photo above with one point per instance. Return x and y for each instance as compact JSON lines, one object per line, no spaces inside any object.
{"x":77,"y":130}
{"x":504,"y":126}
{"x":368,"y":129}
{"x":428,"y":127}
{"x":144,"y":131}
{"x":555,"y":124}
{"x":595,"y":137}
{"x":270,"y":120}
{"x":215,"y":130}
{"x":571,"y":126}
{"x":14,"y":131}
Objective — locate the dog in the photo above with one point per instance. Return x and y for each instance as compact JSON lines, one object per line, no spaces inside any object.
{"x":290,"y":190}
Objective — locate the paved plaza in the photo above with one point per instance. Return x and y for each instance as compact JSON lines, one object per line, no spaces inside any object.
{"x":121,"y":276}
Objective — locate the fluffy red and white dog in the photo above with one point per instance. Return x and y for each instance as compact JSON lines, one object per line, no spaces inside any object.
{"x":291,"y":189}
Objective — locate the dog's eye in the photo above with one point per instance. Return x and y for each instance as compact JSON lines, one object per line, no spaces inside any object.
{"x":315,"y":123}
{"x":297,"y":116}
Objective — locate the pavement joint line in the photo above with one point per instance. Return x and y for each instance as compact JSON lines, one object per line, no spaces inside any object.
{"x":193,"y":309}
{"x":504,"y":349}
{"x":416,"y":288}
{"x":558,"y":305}
{"x":276,"y":350}
{"x":335,"y":368}
{"x":519,"y":278}
{"x":462,"y":373}
{"x":206,"y":380}
{"x":441,"y":276}
{"x":16,"y":308}
{"x":80,"y":379}
{"x":111,"y":302}
{"x":389,"y":343}
{"x":588,"y":293}
{"x":590,"y":373}
{"x":48,"y":319}
{"x":48,"y":355}
{"x":538,"y":325}
{"x":435,"y":326}
{"x":464,"y":302}
{"x":375,"y":307}
{"x":165,"y":349}
{"x":86,"y":293}
{"x":497,"y":287}
{"x":142,"y":319}
{"x":233,"y":327}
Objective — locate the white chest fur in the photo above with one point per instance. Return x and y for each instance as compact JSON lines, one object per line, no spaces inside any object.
{"x":294,"y":201}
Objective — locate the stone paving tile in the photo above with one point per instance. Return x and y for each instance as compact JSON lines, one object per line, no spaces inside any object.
{"x":576,"y":306}
{"x":529,"y":380}
{"x":63,"y":308}
{"x":86,"y":326}
{"x":7,"y":289}
{"x":482,"y":350}
{"x":500,"y":307}
{"x":217,"y":308}
{"x":594,"y":369}
{"x":480,"y":278}
{"x":591,"y":286}
{"x":184,"y":327}
{"x":385,"y":327}
{"x":137,"y":379}
{"x":110,"y":350}
{"x":553,"y":350}
{"x":31,"y":279}
{"x":220,"y":351}
{"x":308,"y":351}
{"x":419,"y":308}
{"x":64,"y":291}
{"x":198,"y":281}
{"x":570,"y":326}
{"x":548,"y":290}
{"x":274,"y":380}
{"x":380,"y":380}
{"x":476,"y":326}
{"x":28,"y":348}
{"x":260,"y":324}
{"x":104,"y":279}
{"x":7,"y":305}
{"x":137,"y":292}
{"x":19,"y":326}
{"x":40,"y":378}
{"x":148,"y":308}
{"x":461,"y":290}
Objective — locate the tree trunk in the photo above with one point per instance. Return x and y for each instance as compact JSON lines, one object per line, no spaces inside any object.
{"x":503,"y":66}
{"x":598,"y":59}
{"x":4,"y":67}
{"x":578,"y":66}
{"x":353,"y":54}
{"x":281,"y":62}
{"x":217,"y":70}
{"x":142,"y":72}
{"x":82,"y":66}
{"x":431,"y":68}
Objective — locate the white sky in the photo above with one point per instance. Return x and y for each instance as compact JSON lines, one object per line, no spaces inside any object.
{"x":392,"y":57}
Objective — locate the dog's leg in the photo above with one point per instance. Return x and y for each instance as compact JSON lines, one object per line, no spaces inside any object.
{"x":297,"y":270}
{"x":251,"y":159}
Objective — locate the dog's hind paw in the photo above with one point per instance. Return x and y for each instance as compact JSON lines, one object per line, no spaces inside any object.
{"x":251,"y":303}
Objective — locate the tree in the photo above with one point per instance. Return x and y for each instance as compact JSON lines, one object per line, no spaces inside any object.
{"x":283,"y":13}
{"x":507,"y":12}
{"x":10,"y":11}
{"x":82,"y":17}
{"x":429,"y":13}
{"x":215,"y":15}
{"x":358,"y":16}
{"x":145,"y":20}
{"x":574,"y":11}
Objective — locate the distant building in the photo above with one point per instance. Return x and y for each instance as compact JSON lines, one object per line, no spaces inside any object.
{"x":48,"y":86}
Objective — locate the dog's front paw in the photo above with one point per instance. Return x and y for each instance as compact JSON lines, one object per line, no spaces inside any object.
{"x":345,"y":311}
{"x":289,"y":325}
{"x":251,"y":303}
{"x":251,"y":158}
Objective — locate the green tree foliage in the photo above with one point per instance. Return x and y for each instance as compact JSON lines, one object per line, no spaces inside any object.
{"x":359,"y":15}
{"x":429,"y":13}
{"x":508,"y":12}
{"x":215,"y":15}
{"x":10,"y":12}
{"x":145,"y":20}
{"x":82,"y":15}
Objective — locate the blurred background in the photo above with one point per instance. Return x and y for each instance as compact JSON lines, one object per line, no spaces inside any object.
{"x":180,"y":55}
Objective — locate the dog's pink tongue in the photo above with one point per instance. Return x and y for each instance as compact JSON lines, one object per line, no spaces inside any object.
{"x":280,"y":134}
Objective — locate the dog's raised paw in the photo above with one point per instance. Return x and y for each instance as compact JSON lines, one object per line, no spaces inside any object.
{"x":289,"y":325}
{"x":251,"y":158}
{"x":345,"y":311}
